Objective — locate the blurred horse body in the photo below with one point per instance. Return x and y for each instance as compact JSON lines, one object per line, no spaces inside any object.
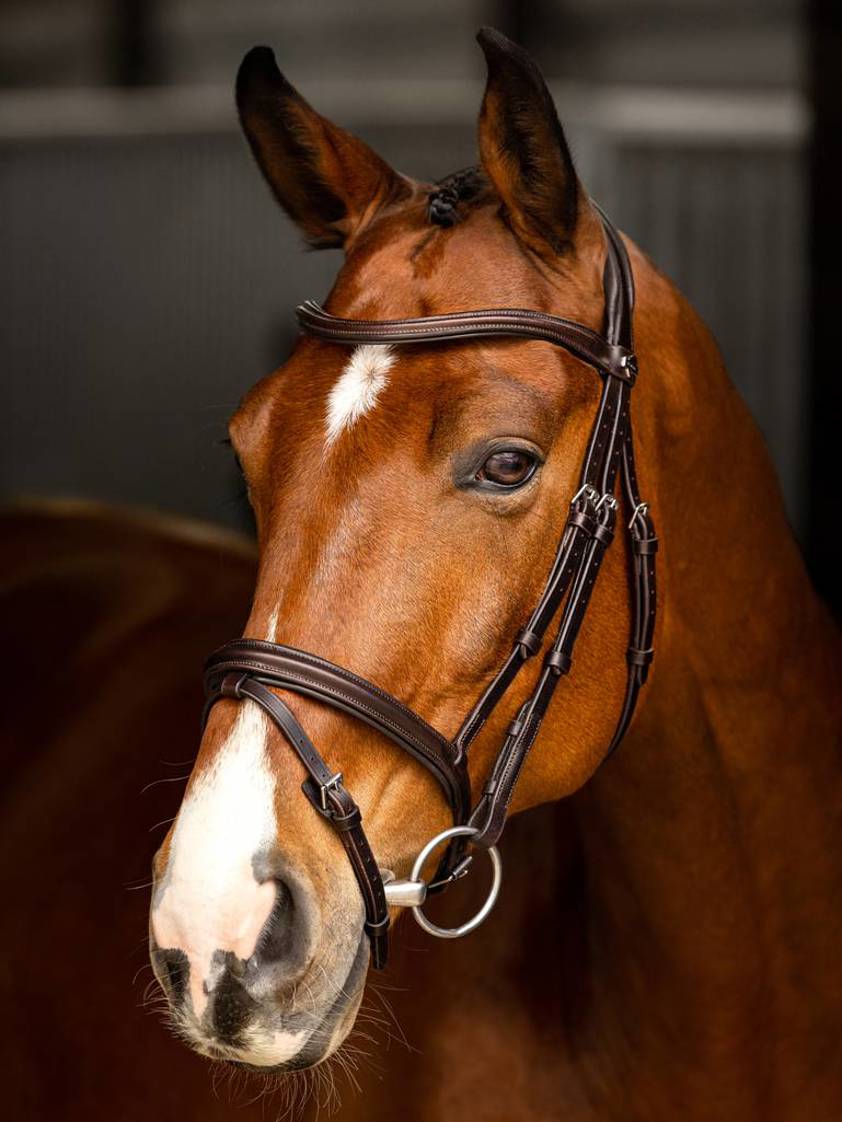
{"x":109,"y":615}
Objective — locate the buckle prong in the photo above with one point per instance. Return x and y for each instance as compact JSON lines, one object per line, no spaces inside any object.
{"x":641,"y":508}
{"x":608,"y":500}
{"x":326,"y":788}
{"x":586,"y":490}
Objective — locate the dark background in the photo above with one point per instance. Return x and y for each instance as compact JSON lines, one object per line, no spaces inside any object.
{"x":148,"y":278}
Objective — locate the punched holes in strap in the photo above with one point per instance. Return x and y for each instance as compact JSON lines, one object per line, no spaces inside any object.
{"x":378,"y":937}
{"x":525,"y":728}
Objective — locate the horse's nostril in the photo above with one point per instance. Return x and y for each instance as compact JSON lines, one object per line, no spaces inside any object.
{"x":173,"y":967}
{"x":280,"y":937}
{"x":220,"y":954}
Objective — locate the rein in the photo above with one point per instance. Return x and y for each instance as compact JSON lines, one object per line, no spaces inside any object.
{"x":249,"y":668}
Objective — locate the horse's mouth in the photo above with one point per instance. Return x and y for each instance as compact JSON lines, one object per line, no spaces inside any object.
{"x":286,"y":1068}
{"x":277,"y":1040}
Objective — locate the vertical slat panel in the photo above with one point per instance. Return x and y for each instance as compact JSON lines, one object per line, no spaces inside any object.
{"x":148,"y":281}
{"x":727,"y":224}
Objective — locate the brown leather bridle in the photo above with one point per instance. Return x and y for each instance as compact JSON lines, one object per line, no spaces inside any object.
{"x":249,"y":668}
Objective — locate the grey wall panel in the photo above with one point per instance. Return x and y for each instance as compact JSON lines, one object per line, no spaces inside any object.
{"x":145,"y":285}
{"x":147,"y":282}
{"x":729,"y":226}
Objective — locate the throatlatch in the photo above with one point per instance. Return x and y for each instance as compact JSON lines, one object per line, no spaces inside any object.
{"x":252,"y":669}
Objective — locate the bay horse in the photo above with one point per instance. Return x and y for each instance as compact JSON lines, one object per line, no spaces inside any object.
{"x":407,"y":504}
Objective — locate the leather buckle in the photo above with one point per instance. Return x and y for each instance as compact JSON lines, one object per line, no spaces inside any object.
{"x":621,"y":363}
{"x":586,"y":491}
{"x":326,"y":788}
{"x":629,"y":362}
{"x":641,"y":509}
{"x":319,"y":795}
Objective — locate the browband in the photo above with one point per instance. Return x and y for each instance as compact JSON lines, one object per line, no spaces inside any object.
{"x":605,"y":356}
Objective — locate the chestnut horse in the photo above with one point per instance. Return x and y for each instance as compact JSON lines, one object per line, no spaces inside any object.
{"x":408,"y":509}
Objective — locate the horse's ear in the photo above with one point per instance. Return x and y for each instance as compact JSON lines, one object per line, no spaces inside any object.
{"x":523,"y":148}
{"x":329,"y":182}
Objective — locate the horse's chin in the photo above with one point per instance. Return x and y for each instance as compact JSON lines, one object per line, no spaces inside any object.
{"x":322,"y":1045}
{"x":268,"y":1056}
{"x":290,"y":1033}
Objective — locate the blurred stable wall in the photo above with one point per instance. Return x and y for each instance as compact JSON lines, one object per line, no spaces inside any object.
{"x":148,"y":278}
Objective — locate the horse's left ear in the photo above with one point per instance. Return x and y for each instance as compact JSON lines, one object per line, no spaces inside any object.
{"x":328,"y":181}
{"x":524,"y":151}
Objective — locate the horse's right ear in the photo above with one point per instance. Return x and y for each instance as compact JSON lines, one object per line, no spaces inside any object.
{"x":524,"y":151}
{"x":329,"y":182}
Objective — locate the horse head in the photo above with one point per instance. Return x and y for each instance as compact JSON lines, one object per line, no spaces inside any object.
{"x":409,"y":503}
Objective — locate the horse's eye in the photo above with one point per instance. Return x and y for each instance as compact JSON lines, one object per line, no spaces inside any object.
{"x":508,"y":468}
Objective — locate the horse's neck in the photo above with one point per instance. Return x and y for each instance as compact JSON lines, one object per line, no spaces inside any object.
{"x":713,"y":839}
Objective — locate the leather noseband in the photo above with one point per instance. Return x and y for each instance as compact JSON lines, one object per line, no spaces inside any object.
{"x":248,"y":668}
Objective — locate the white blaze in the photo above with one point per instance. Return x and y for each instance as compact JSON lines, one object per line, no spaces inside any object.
{"x":359,"y":385}
{"x":210,"y":899}
{"x":272,"y":626}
